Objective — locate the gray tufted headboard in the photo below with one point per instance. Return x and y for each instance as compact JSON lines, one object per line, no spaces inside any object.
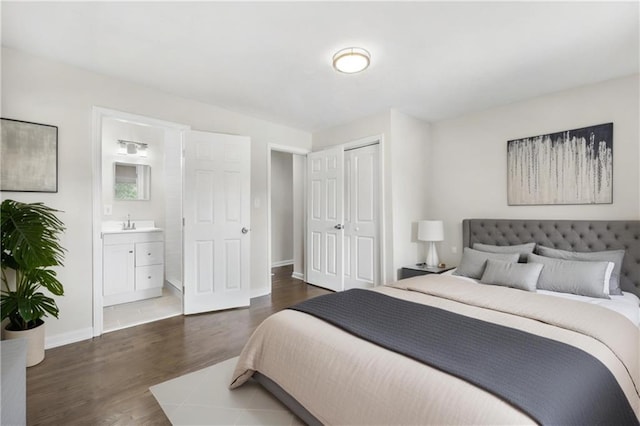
{"x":576,"y":235}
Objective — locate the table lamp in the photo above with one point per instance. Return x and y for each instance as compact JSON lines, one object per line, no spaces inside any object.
{"x":431,"y":231}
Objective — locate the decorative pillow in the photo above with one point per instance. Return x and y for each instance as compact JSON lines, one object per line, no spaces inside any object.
{"x":473,"y":262}
{"x":523,"y":276}
{"x":522,"y":249}
{"x":574,"y":276}
{"x":614,"y":256}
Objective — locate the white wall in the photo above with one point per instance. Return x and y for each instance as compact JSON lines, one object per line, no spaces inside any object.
{"x":39,"y":90}
{"x":281,"y":208}
{"x":467,"y":171}
{"x":406,"y":142}
{"x":373,"y":125}
{"x":152,"y":209}
{"x":410,"y":186}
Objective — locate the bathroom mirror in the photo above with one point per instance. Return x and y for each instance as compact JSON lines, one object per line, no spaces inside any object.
{"x":132,"y":181}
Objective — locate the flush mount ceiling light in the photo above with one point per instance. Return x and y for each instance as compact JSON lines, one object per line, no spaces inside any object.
{"x":351,"y":60}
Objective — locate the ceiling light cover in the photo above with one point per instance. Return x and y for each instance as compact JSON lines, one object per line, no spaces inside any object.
{"x":351,"y":60}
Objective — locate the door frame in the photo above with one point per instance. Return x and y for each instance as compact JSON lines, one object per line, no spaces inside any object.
{"x":289,"y":150}
{"x":98,"y":115}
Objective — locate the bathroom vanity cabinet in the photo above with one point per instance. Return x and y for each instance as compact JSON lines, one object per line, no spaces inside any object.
{"x":133,"y":265}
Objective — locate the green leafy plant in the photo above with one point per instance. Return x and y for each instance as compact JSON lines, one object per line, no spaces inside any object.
{"x":30,"y":247}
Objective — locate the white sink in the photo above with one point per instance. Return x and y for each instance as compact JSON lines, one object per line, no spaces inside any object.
{"x":127,"y":231}
{"x":116,"y":227}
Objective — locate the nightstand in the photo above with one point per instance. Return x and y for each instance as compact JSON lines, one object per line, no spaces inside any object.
{"x":421,"y":269}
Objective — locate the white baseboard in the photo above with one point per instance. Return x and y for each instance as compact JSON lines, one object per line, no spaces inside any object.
{"x":69,"y":337}
{"x":281,"y":263}
{"x":298,"y":276}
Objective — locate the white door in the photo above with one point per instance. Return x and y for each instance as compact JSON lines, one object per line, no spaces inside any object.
{"x":216,"y":221}
{"x":361,"y":239}
{"x":325,"y":183}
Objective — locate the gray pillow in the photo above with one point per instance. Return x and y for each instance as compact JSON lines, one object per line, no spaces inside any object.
{"x":522,"y":249}
{"x":473,"y":262}
{"x":523,"y":276}
{"x":614,"y":256}
{"x":574,"y":276}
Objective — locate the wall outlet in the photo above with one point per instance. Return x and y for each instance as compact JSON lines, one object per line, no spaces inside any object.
{"x":454,"y":249}
{"x":108,"y":210}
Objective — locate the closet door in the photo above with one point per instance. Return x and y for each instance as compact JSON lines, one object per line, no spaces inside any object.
{"x":361,"y":240}
{"x":325,"y":184}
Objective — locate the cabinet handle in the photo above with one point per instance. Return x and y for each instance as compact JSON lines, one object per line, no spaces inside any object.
{"x":130,"y":251}
{"x":149,"y":277}
{"x":148,"y":254}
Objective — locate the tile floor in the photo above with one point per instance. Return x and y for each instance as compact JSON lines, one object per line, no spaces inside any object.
{"x":126,"y":315}
{"x":203,"y":398}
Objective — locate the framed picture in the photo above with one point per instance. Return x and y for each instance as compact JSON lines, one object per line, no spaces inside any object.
{"x":570,"y":167}
{"x":28,"y":156}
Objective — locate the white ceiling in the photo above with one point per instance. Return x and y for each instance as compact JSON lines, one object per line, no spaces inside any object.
{"x":432,"y":60}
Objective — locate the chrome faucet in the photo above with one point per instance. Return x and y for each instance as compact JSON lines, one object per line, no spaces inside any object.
{"x":128,"y":225}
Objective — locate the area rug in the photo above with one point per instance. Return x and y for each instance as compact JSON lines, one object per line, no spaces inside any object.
{"x":203,"y":398}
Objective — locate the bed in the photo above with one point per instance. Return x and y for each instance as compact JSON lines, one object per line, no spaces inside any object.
{"x":445,"y":349}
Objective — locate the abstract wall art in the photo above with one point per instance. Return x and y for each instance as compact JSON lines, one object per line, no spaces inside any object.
{"x":28,"y":157}
{"x":569,"y":167}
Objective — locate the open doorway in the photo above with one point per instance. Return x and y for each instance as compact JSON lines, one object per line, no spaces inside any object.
{"x":137,"y":220}
{"x":287,"y":170}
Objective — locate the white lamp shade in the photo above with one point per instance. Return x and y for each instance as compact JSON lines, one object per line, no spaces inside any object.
{"x":430,"y":230}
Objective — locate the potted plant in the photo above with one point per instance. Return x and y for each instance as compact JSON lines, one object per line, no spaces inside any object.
{"x":30,"y":247}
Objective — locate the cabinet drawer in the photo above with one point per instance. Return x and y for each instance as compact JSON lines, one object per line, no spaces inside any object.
{"x":149,"y":253}
{"x":149,"y":277}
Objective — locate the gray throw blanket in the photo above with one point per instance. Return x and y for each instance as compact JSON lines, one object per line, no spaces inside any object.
{"x":554,"y":383}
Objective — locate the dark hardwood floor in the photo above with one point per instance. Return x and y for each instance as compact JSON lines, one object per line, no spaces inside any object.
{"x":106,"y":380}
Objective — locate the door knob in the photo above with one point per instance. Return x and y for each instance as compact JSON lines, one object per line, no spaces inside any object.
{"x":244,"y":230}
{"x":338,"y":226}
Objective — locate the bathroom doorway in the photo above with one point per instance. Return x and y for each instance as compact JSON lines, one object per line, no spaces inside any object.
{"x":137,"y":220}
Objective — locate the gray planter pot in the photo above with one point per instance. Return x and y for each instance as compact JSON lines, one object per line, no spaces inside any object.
{"x":35,"y":342}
